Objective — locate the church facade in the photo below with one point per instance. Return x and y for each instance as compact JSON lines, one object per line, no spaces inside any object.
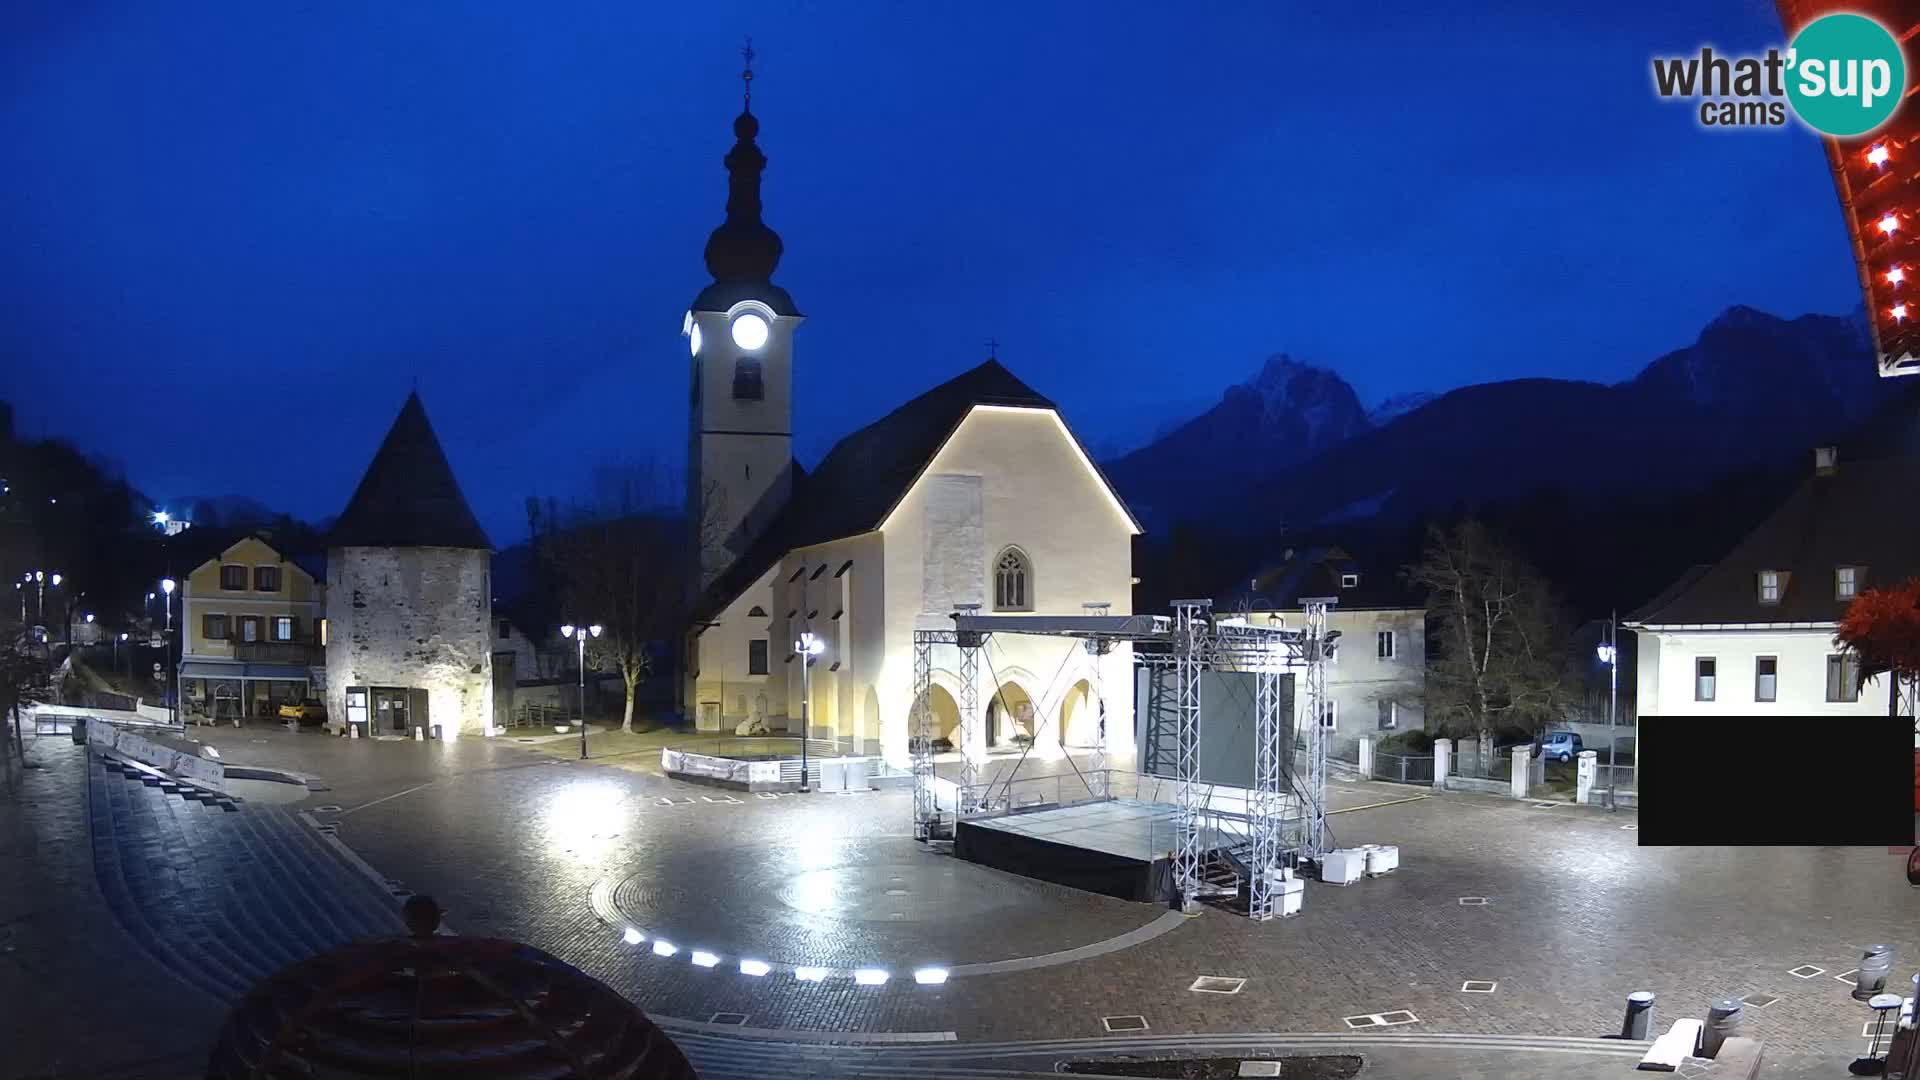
{"x":974,"y":493}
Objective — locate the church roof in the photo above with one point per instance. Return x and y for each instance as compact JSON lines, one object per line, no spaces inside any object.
{"x":1858,"y":515}
{"x":408,"y":497}
{"x":868,"y":472}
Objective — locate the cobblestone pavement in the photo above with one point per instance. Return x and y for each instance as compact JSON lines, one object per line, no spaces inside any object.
{"x":514,"y":844}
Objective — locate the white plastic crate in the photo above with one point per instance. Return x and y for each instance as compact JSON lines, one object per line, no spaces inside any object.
{"x":1382,"y":859}
{"x":1343,"y":866}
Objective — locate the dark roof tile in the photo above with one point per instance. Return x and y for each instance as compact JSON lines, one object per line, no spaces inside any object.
{"x":408,"y":497}
{"x":1860,"y":515}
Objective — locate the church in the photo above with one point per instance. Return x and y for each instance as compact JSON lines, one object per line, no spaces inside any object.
{"x":974,"y":493}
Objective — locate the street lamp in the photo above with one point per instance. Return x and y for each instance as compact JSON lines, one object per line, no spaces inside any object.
{"x":117,"y":642}
{"x":167,"y":585}
{"x":809,"y":646}
{"x":1609,"y":653}
{"x":579,"y":634}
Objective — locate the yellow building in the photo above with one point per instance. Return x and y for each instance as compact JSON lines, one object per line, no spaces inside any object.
{"x":252,"y":632}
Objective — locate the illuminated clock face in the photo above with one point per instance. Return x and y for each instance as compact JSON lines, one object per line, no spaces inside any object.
{"x":693,"y":338}
{"x":749,"y":331}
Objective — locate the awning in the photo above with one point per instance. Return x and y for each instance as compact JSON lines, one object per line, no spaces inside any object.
{"x":213,"y":669}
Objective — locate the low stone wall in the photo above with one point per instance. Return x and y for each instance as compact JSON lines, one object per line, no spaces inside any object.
{"x":1478,"y":786}
{"x":726,"y":772}
{"x":201,"y":771}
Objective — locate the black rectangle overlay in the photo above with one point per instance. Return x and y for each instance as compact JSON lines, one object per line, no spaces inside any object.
{"x":1804,"y":781}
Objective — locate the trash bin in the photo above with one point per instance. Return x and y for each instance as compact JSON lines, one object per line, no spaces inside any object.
{"x":833,"y":774}
{"x":1639,"y":1019}
{"x":857,"y":769}
{"x":1723,"y":1023}
{"x":1871,"y":979}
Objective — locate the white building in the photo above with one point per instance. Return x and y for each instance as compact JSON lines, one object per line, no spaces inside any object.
{"x":409,"y":596}
{"x":975,"y":492}
{"x":1753,"y":633}
{"x":1377,"y":668}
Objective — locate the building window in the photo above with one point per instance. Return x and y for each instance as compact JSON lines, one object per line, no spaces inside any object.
{"x":757,"y":656}
{"x":747,"y":383}
{"x":1766,"y":678}
{"x":1846,"y":581}
{"x":1330,"y":715}
{"x":1012,"y":581}
{"x":213,"y":627}
{"x":266,"y":579}
{"x":1349,"y":581}
{"x":756,"y":612}
{"x":1769,"y":586}
{"x":249,"y":628}
{"x":233,"y":578}
{"x":1704,"y":668}
{"x":1383,"y":644}
{"x":1389,"y":715}
{"x":1843,"y":677}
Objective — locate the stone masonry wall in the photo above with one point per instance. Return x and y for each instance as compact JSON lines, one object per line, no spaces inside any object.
{"x":415,"y":617}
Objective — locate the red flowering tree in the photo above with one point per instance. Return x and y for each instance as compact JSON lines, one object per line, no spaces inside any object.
{"x":1882,"y":626}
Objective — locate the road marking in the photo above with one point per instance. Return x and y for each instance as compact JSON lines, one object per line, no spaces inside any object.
{"x":384,"y":798}
{"x":731,"y":1018}
{"x":1259,"y":1068}
{"x":1124,"y":1023}
{"x":1847,"y":976}
{"x":1479,"y":986}
{"x":1217,"y":984}
{"x":1474,"y":901}
{"x":1806,"y":971}
{"x":1371,"y":806}
{"x":1759,"y":1001}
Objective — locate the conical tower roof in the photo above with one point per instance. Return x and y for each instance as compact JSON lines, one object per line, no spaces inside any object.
{"x":409,"y":498}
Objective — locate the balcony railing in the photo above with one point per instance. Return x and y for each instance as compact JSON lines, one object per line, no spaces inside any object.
{"x":279,"y":652}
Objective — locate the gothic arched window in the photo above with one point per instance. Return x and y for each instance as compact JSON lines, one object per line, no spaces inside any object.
{"x":1013,"y":581}
{"x":747,"y":383}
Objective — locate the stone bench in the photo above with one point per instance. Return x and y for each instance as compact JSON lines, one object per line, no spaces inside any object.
{"x":1739,"y":1059}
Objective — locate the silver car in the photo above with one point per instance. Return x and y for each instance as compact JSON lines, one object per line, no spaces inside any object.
{"x":1560,"y":746}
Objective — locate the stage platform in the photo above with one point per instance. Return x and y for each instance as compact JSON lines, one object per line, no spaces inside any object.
{"x":1116,"y":847}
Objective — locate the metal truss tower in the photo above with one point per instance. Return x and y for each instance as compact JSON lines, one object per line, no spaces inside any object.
{"x":920,"y":741}
{"x":1192,"y":640}
{"x":1313,"y":838}
{"x":1264,"y":801}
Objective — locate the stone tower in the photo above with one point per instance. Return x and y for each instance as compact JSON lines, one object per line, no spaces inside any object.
{"x":740,"y":332}
{"x":409,"y":596}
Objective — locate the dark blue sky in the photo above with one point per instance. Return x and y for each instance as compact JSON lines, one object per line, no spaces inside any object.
{"x":233,"y":234}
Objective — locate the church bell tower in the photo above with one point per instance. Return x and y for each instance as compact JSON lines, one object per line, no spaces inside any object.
{"x":740,"y":333}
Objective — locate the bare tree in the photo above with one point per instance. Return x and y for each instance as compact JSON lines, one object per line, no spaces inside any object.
{"x":25,"y":678}
{"x":1501,"y":657}
{"x":624,"y":561}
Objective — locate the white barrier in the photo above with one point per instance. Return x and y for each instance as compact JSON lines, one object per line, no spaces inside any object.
{"x":199,"y":770}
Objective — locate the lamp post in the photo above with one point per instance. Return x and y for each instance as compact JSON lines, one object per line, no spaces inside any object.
{"x":1610,"y":655}
{"x":167,"y":586}
{"x":809,"y":646}
{"x":579,"y":634}
{"x":116,"y":654}
{"x":41,"y":580}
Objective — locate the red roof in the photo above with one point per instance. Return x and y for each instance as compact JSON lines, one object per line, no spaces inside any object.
{"x":1870,"y":190}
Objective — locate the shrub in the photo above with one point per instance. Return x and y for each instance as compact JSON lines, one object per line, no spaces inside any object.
{"x":1407,"y":742}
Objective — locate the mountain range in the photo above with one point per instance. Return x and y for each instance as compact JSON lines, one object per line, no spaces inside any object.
{"x":1293,"y":447}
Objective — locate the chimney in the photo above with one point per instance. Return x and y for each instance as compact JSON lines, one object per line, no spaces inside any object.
{"x":1825,"y":460}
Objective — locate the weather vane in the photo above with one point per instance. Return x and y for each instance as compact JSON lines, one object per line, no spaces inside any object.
{"x":746,"y":76}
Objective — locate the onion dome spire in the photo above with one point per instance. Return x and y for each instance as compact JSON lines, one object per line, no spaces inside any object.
{"x":743,"y":248}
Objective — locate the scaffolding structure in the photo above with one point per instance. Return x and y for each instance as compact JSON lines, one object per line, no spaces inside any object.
{"x":1284,"y":815}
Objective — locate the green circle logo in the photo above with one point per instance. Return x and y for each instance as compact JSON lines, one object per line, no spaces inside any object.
{"x":1846,"y":74}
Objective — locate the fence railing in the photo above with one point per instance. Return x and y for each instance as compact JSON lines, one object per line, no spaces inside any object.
{"x":530,"y":714}
{"x":1606,"y":776}
{"x":1403,"y":768}
{"x":757,"y":747}
{"x":1476,"y":766}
